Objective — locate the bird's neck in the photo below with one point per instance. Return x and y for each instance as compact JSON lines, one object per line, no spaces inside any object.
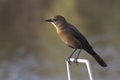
{"x":54,"y":25}
{"x":58,"y":27}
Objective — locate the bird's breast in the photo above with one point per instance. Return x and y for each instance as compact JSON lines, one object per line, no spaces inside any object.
{"x":68,"y":38}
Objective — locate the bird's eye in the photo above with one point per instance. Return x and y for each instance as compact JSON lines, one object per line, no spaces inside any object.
{"x":54,"y":19}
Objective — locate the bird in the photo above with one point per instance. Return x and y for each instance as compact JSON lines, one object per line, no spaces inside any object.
{"x":72,"y":37}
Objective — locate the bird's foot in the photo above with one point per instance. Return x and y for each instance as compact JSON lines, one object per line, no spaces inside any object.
{"x":75,"y":61}
{"x":68,"y":59}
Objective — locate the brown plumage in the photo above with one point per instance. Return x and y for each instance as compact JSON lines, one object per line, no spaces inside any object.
{"x":73,"y":38}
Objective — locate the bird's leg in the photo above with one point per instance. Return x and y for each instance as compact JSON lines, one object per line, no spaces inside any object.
{"x":77,"y":56}
{"x":71,"y":56}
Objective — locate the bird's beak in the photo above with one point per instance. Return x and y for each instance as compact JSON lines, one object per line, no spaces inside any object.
{"x":49,"y":20}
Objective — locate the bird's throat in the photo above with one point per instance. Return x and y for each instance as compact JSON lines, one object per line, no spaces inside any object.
{"x":57,"y":28}
{"x":54,"y":25}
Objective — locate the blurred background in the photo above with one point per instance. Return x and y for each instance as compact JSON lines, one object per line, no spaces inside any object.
{"x":31,"y":50}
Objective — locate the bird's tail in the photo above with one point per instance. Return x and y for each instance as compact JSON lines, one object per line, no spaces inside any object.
{"x":98,"y":58}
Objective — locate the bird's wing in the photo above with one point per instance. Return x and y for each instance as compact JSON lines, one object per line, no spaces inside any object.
{"x":79,"y":37}
{"x":86,"y":46}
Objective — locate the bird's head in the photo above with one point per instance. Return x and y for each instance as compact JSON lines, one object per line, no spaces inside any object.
{"x":57,"y":20}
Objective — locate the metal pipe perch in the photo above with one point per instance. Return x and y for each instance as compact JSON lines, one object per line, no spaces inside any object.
{"x":79,"y":61}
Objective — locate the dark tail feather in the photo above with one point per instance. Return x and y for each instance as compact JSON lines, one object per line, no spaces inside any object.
{"x":98,"y":58}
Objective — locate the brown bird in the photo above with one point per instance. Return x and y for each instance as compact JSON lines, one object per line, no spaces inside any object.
{"x":73,"y":38}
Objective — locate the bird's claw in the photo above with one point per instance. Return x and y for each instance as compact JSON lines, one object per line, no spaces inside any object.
{"x":68,"y":59}
{"x":75,"y":61}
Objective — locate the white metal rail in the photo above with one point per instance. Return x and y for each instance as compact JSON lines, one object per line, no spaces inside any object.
{"x":79,"y":61}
